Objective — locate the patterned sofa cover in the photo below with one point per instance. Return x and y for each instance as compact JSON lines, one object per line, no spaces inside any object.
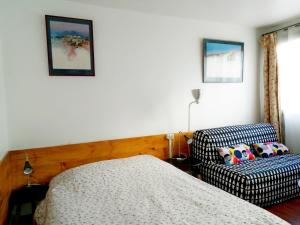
{"x":262,"y":182}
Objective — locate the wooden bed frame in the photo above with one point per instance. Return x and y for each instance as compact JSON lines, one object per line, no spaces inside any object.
{"x":50,"y":161}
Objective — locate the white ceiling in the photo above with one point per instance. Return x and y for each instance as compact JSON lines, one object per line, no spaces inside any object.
{"x":254,"y":13}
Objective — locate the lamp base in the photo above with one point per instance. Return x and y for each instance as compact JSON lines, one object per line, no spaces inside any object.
{"x":180,"y":157}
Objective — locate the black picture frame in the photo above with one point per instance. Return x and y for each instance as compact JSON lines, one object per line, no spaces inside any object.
{"x":218,"y":63}
{"x":70,"y":40}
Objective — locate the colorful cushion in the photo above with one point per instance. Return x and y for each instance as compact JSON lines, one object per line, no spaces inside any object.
{"x":263,"y":150}
{"x":236,"y":154}
{"x":278,"y":148}
{"x":270,"y":149}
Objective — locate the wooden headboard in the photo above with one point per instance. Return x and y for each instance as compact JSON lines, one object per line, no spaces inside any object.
{"x":50,"y":161}
{"x":5,"y":187}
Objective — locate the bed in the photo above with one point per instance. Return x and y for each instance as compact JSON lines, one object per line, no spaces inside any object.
{"x":141,"y":190}
{"x":264,"y":181}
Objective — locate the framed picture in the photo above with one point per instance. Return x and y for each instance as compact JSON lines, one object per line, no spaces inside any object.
{"x":70,"y":46}
{"x":222,"y":61}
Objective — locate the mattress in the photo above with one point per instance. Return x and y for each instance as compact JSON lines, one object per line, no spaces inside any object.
{"x":263,"y":182}
{"x":142,"y":190}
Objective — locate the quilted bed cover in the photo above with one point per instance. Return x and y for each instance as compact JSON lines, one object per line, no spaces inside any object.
{"x":142,"y":190}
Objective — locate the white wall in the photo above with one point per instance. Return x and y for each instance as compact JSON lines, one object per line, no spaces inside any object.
{"x":3,"y":116}
{"x":145,"y":67}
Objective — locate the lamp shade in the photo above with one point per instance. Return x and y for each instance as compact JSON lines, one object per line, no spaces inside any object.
{"x":27,"y":168}
{"x":189,"y":140}
{"x":196,"y":94}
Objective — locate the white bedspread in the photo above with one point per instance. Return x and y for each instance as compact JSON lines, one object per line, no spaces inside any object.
{"x":141,"y":190}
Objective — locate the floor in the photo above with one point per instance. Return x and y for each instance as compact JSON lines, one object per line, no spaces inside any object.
{"x":289,"y":211}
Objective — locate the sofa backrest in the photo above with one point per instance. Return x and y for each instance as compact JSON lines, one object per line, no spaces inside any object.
{"x":207,"y":141}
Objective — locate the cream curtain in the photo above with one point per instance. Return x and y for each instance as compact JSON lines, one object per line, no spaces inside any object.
{"x":288,"y":52}
{"x":272,"y":112}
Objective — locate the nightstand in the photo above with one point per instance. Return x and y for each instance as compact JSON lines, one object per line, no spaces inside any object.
{"x":22,"y":203}
{"x":188,"y":165}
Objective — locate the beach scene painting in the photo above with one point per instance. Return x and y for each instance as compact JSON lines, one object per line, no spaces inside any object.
{"x":70,"y":46}
{"x":223,"y":61}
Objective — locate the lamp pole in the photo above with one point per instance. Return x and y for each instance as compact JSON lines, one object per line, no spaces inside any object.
{"x":189,"y":116}
{"x":196,"y":95}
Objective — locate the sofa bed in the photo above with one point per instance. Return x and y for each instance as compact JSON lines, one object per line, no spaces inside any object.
{"x":263,"y":181}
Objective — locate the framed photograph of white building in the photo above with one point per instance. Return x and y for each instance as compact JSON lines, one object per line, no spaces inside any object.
{"x":222,"y":61}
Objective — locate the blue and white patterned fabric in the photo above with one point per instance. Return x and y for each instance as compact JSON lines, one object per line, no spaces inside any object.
{"x":207,"y":141}
{"x":262,"y":181}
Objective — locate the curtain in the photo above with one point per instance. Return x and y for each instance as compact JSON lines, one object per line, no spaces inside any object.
{"x":288,"y":52}
{"x":272,"y":112}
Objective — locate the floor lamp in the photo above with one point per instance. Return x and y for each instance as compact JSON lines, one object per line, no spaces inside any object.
{"x":196,"y":95}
